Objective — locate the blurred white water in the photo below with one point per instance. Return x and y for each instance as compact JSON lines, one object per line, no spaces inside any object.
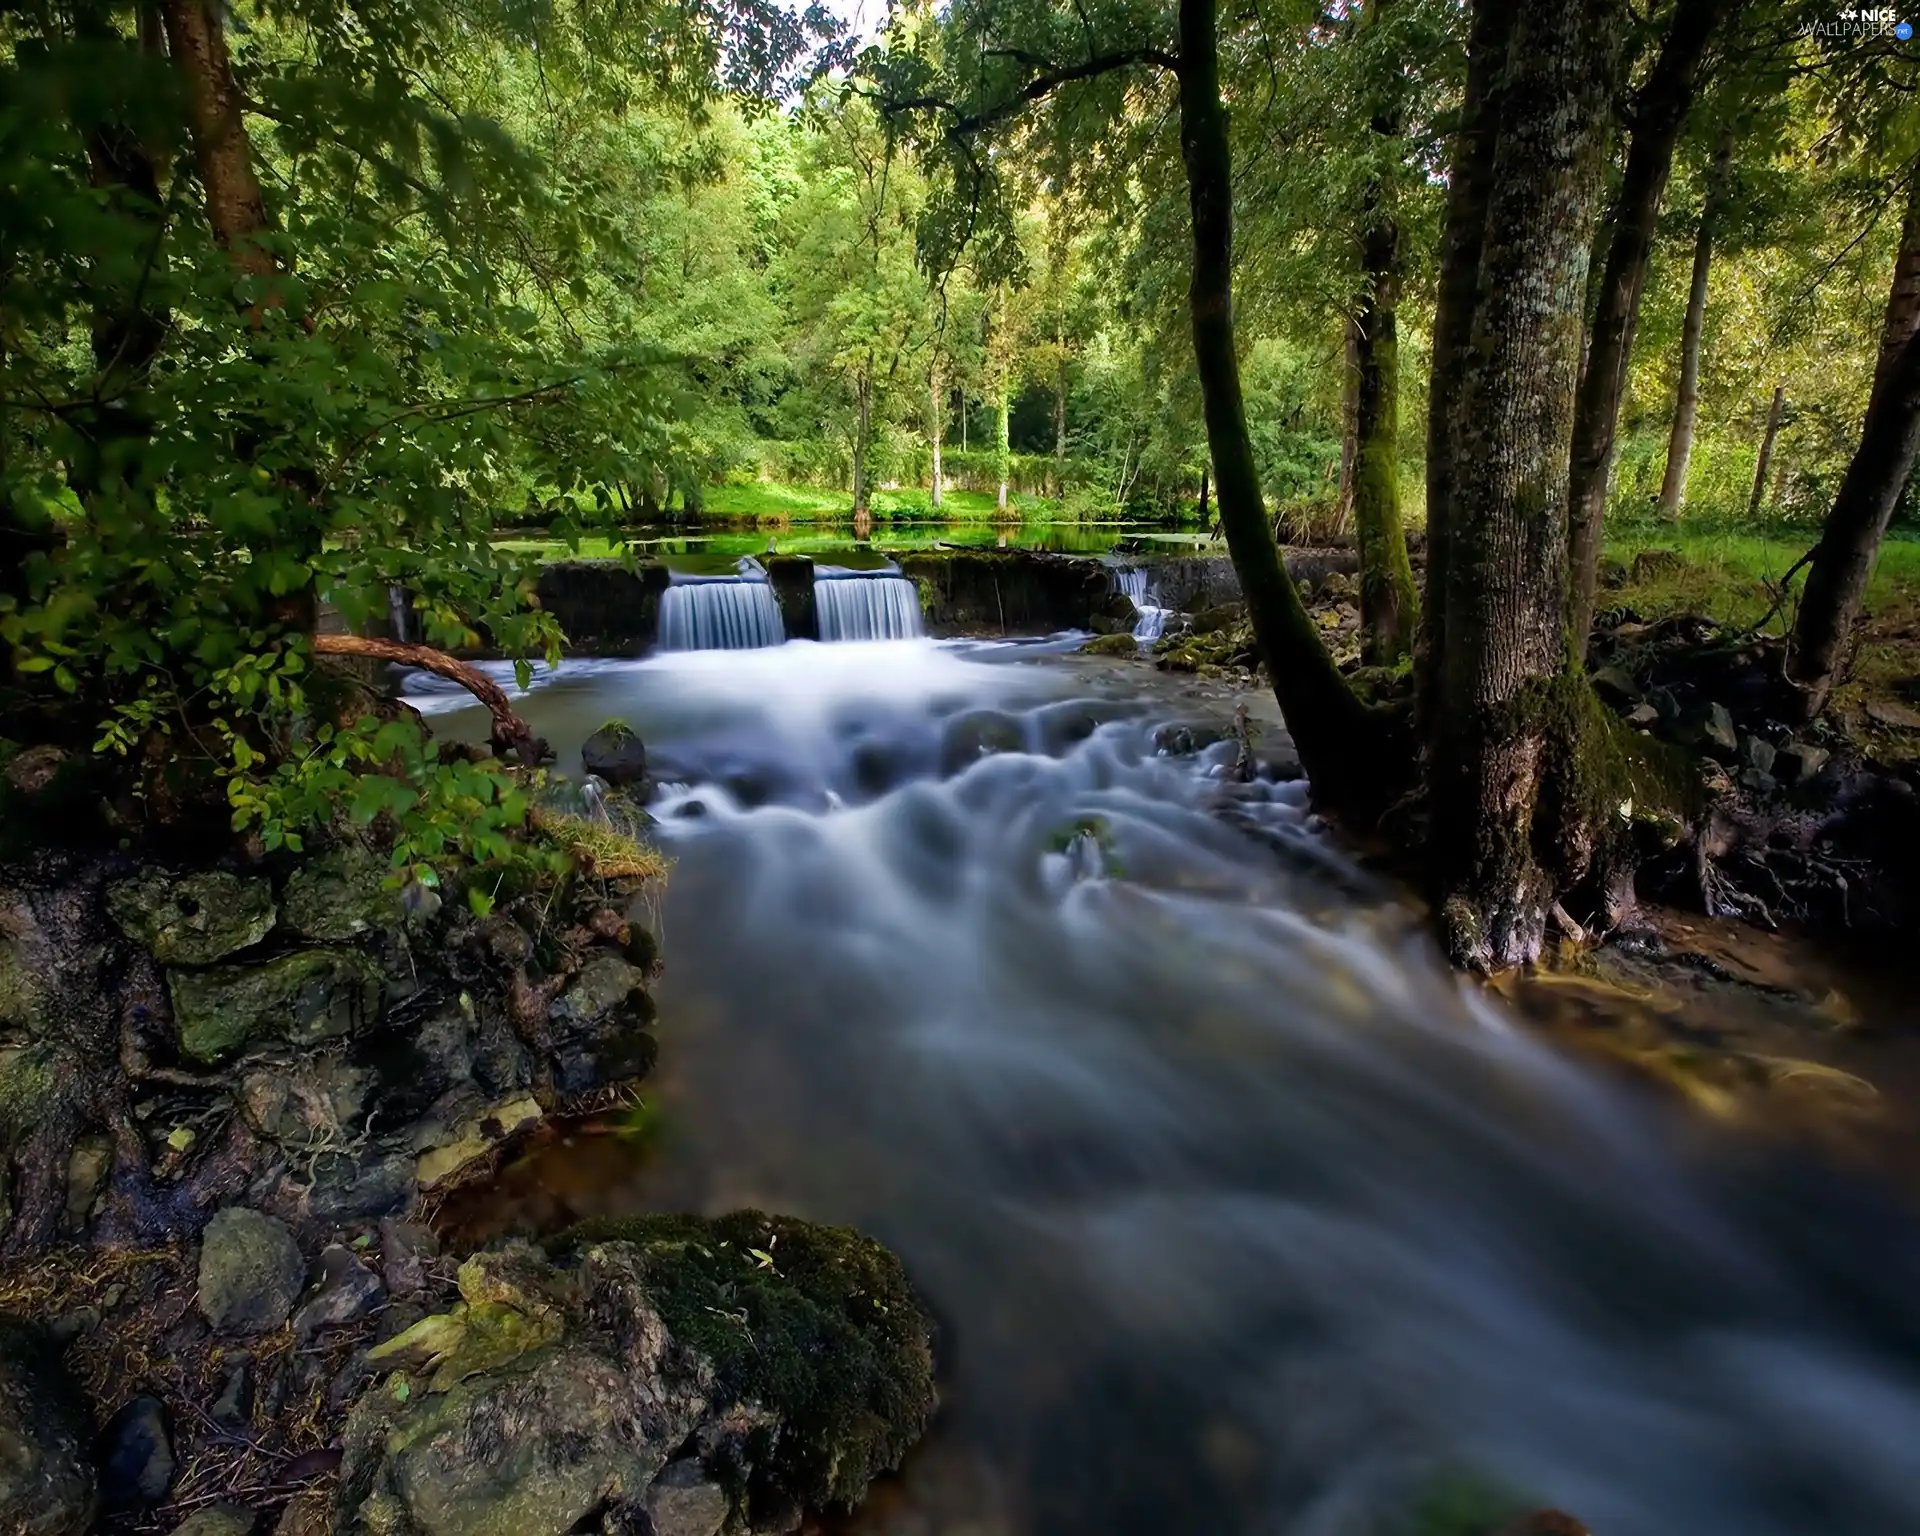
{"x":1242,"y":1213}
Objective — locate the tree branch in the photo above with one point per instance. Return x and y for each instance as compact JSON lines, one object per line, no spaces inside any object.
{"x":1050,"y":79}
{"x":509,"y":730}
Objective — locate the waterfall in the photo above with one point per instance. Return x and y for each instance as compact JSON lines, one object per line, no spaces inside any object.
{"x":866,"y":607}
{"x":723,"y":615}
{"x":1136,"y":585}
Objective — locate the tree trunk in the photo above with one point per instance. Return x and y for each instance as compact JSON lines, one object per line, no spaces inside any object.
{"x":1660,"y":110}
{"x":1339,"y":739}
{"x":1349,"y":423}
{"x":1504,"y":749}
{"x":936,"y":428}
{"x":1774,"y":412}
{"x":1843,"y":559}
{"x":1060,"y":424}
{"x":1002,"y":453}
{"x":235,"y":209}
{"x":1203,"y":498}
{"x":1686,"y":408}
{"x":862,"y":433}
{"x":1389,"y":606}
{"x":1470,"y":185}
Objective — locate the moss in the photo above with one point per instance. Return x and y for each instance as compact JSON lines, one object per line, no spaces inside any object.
{"x":605,"y":850}
{"x":817,"y":1323}
{"x":1112,"y":645}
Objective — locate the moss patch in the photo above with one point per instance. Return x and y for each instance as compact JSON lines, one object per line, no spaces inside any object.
{"x":819,"y":1324}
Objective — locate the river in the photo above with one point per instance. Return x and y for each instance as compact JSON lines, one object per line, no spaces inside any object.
{"x":1240,"y":1212}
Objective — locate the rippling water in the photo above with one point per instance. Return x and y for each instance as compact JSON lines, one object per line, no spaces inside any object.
{"x":1242,"y":1214}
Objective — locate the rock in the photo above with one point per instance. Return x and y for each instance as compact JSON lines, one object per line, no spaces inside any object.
{"x":250,"y":1271}
{"x":1762,"y":784}
{"x":136,"y":1456}
{"x":981,"y":733}
{"x":406,"y":1249}
{"x":1616,"y":686}
{"x":1757,"y":753}
{"x":192,"y":921}
{"x":1710,"y":728}
{"x":347,"y":1291}
{"x":1222,"y":616}
{"x":304,"y":997}
{"x":1613,"y":573}
{"x":561,"y":1389}
{"x":34,"y":770}
{"x":1642,"y":716}
{"x":306,"y":1514}
{"x":87,"y":1168}
{"x":1120,"y":643}
{"x":1894,"y":715}
{"x":1799,"y":761}
{"x":347,"y":1188}
{"x":48,"y":1486}
{"x":218,"y":1520}
{"x":478,"y":1138}
{"x":685,"y":1501}
{"x":599,"y":1027}
{"x":234,"y":1405}
{"x":339,"y":895}
{"x":615,"y":753}
{"x":1650,"y":563}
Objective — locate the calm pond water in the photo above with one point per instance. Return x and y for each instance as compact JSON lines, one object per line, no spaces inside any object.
{"x":1241,"y":1213}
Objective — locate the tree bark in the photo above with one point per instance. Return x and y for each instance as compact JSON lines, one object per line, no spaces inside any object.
{"x":1659,"y":112}
{"x":1339,"y":739}
{"x":936,"y":428}
{"x":236,"y":211}
{"x":1511,"y":701}
{"x":1349,"y":422}
{"x":1002,"y":452}
{"x":1389,"y":605}
{"x":1470,"y":185}
{"x":1060,"y":423}
{"x":1774,"y":412}
{"x":1843,"y":559}
{"x":1686,"y":407}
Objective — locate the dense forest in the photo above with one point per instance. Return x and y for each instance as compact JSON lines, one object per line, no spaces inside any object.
{"x":1524,"y":396}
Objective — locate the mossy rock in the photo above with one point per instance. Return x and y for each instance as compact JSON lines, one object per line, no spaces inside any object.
{"x":27,"y":1086}
{"x":1112,"y":645}
{"x":303,"y":997}
{"x":340,"y":895}
{"x":818,"y":1324}
{"x":195,"y":920}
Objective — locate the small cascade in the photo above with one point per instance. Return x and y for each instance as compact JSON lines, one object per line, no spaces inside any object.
{"x":1135,"y":584}
{"x":722,"y":615}
{"x":866,"y":607}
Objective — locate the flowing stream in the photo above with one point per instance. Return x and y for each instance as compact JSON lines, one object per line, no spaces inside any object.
{"x":1240,"y":1212}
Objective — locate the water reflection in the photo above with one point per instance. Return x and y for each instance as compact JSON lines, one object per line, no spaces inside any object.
{"x":1243,"y":1215}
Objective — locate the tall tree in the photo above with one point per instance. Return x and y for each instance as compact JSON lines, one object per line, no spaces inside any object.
{"x":1389,"y":603}
{"x":1889,"y":439}
{"x":1686,"y":405}
{"x":1657,"y":114}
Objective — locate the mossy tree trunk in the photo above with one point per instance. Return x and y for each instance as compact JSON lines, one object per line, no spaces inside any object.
{"x":1339,"y":739}
{"x":1389,"y":603}
{"x":1660,"y":110}
{"x":1686,"y":405}
{"x":1514,"y":728}
{"x":1843,"y":559}
{"x":1060,"y":417}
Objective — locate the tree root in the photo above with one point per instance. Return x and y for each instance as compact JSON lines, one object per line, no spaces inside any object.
{"x":510,"y":732}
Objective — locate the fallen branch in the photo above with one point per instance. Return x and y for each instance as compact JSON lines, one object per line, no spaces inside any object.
{"x":509,"y":730}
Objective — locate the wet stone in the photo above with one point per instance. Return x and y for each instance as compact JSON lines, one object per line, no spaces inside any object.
{"x":406,"y":1249}
{"x":339,"y":895}
{"x":218,"y":1520}
{"x":250,"y":1272}
{"x":304,"y":997}
{"x":234,"y":1405}
{"x":347,"y":1291}
{"x":684,"y":1501}
{"x":1799,"y":761}
{"x":615,"y":753}
{"x":136,"y":1456}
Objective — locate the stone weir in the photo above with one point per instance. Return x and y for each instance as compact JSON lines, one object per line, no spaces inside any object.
{"x":607,"y":608}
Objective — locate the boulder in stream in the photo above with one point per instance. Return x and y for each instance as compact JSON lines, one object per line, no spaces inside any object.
{"x":615,"y":753}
